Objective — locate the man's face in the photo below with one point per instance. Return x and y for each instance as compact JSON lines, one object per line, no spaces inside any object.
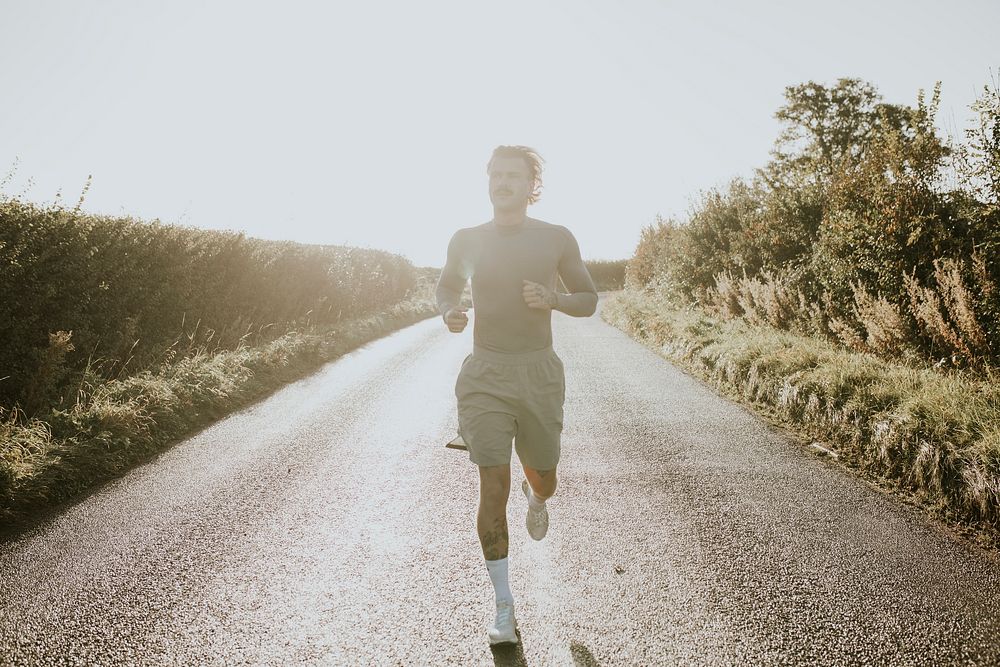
{"x":510,"y":183}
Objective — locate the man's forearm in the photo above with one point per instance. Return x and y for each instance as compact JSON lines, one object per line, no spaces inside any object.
{"x":447,"y":296}
{"x":451,"y":283}
{"x":580,"y":304}
{"x":446,"y":300}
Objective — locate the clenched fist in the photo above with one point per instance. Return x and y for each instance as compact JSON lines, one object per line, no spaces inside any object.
{"x":456,"y":319}
{"x":537,"y":295}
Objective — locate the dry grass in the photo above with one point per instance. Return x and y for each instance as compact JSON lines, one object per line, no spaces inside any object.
{"x":763,"y":299}
{"x":932,"y":434}
{"x":950,"y":313}
{"x":115,"y":424}
{"x":947,"y":313}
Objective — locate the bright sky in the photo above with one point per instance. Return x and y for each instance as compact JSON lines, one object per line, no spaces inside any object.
{"x":370,"y":123}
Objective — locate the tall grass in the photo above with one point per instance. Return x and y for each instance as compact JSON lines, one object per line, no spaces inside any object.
{"x":850,"y":289}
{"x":932,"y":433}
{"x":113,"y":424}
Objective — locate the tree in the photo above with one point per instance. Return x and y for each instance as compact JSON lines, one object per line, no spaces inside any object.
{"x":978,"y":160}
{"x":824,"y":128}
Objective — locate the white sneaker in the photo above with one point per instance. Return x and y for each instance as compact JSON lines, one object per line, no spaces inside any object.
{"x":537,"y":521}
{"x":503,"y":630}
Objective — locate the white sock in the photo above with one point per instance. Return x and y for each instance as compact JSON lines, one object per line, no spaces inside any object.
{"x":498,"y":575}
{"x":534,"y":501}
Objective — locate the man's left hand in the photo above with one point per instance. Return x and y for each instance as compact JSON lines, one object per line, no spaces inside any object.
{"x":537,"y":295}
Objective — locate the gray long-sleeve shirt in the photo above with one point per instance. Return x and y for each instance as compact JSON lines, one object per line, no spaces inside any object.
{"x":499,"y":258}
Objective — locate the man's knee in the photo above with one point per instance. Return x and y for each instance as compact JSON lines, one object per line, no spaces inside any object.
{"x":542,"y":481}
{"x":494,"y":484}
{"x":541,"y":474}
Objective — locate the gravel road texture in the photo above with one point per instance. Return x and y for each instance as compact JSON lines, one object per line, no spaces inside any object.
{"x":328,"y":525}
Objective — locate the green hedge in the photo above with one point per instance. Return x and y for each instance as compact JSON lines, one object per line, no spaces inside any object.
{"x":130,"y":295}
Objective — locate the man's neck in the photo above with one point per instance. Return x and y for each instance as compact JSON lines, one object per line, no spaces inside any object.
{"x":509,"y":218}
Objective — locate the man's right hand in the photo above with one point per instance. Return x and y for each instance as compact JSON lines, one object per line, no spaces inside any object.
{"x":456,"y":319}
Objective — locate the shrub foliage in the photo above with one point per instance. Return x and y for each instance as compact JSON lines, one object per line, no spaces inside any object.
{"x":89,"y":296}
{"x":865,"y":227}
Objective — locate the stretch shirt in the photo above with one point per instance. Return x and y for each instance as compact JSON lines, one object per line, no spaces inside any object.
{"x":499,"y":258}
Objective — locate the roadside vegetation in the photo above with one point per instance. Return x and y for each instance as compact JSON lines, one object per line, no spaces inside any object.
{"x":121,"y":337}
{"x":850,"y":289}
{"x":608,"y":275}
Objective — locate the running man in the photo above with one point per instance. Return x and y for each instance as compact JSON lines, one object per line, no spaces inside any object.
{"x":512,"y":386}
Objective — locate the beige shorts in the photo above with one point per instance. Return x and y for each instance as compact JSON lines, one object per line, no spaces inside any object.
{"x":504,"y":397}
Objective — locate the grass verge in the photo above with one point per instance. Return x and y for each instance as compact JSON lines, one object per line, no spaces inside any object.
{"x":116,"y":424}
{"x":931,"y":436}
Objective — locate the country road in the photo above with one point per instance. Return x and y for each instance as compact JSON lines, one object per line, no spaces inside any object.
{"x":328,"y":525}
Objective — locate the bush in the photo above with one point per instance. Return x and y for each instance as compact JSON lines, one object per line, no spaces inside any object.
{"x":850,"y":231}
{"x":135,"y":294}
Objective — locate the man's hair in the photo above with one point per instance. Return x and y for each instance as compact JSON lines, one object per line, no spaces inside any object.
{"x":531,"y":158}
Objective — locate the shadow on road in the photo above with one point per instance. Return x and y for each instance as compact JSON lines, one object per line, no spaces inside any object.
{"x":512,"y":655}
{"x":582,"y":657}
{"x":509,"y":655}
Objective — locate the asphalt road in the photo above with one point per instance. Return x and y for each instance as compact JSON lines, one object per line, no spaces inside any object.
{"x":327,"y":524}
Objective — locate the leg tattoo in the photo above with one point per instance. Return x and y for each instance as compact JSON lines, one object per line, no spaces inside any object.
{"x":495,"y":540}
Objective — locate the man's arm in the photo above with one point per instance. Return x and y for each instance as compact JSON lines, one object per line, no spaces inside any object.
{"x":582,"y":298}
{"x":452,"y":281}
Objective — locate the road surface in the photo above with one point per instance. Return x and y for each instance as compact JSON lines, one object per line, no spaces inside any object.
{"x":329,"y":525}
